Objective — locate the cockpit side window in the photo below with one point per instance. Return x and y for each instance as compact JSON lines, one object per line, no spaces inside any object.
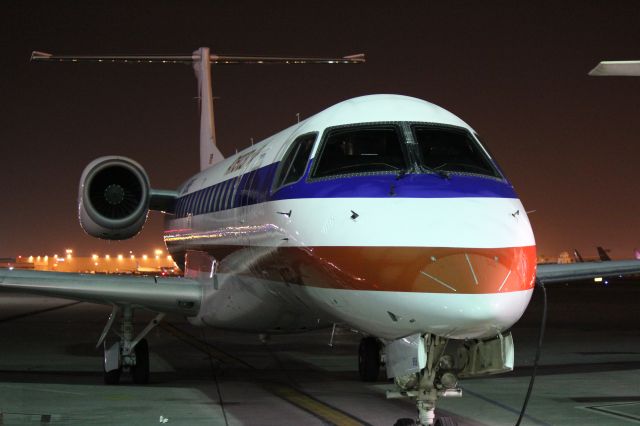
{"x":360,"y":150}
{"x":294,"y":163}
{"x":452,"y":149}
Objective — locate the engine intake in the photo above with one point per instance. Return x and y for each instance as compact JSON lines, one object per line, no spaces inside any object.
{"x":113,"y":198}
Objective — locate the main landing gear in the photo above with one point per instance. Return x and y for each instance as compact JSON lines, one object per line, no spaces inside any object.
{"x":129,"y":354}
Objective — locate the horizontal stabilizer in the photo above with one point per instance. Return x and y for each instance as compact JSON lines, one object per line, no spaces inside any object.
{"x":169,"y":295}
{"x":188,"y":59}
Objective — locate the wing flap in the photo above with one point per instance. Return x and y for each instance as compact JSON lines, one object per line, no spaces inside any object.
{"x":549,"y":273}
{"x":170,"y":295}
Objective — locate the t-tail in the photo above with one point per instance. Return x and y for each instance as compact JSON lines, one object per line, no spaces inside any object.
{"x":202,"y":59}
{"x":576,"y":255}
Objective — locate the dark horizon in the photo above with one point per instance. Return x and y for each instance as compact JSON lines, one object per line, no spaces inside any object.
{"x":517,"y":73}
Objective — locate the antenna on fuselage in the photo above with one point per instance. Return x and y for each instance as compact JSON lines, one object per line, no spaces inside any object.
{"x":202,"y":60}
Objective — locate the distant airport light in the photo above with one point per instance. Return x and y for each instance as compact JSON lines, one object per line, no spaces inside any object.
{"x":95,"y":263}
{"x":68,"y":251}
{"x":30,"y":259}
{"x":158,"y":252}
{"x":46,"y":258}
{"x":60,"y":259}
{"x":38,"y":258}
{"x":144,"y":257}
{"x":169,"y":258}
{"x":69,"y":256}
{"x":106,"y":256}
{"x":94,"y":256}
{"x":132,"y":257}
{"x":597,"y":279}
{"x":119,"y":257}
{"x":157,"y":257}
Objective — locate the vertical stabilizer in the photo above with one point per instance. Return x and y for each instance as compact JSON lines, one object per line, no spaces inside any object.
{"x":209,"y":152}
{"x":602,"y":253}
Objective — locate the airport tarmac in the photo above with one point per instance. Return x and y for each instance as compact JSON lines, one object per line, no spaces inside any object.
{"x":51,"y":373}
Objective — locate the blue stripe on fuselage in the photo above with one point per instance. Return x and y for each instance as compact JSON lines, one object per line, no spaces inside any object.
{"x":254,"y":187}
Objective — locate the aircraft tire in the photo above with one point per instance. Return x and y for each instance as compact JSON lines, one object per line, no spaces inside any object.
{"x":405,"y":422}
{"x":445,"y":421}
{"x":112,"y":377}
{"x":140,"y":371}
{"x":369,"y":359}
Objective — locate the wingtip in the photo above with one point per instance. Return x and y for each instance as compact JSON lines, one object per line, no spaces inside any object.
{"x":37,"y":55}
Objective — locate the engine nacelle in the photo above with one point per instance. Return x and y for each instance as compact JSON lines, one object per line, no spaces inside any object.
{"x":113,"y":199}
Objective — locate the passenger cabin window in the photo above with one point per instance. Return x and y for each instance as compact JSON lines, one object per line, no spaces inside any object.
{"x":360,"y":150}
{"x":450,"y":149}
{"x":295,"y":161}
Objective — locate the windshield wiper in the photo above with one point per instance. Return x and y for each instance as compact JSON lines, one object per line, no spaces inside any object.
{"x":436,"y":170}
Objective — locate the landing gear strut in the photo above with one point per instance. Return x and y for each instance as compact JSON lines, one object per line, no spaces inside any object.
{"x":422,"y":370}
{"x":369,"y":359}
{"x":129,"y":353}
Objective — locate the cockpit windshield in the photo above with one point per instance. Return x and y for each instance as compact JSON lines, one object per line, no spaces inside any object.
{"x":446,"y":149}
{"x":361,"y":150}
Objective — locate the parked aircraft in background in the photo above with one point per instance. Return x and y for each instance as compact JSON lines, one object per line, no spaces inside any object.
{"x":384,"y":213}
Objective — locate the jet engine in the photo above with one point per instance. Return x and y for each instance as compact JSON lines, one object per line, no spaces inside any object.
{"x":113,"y":198}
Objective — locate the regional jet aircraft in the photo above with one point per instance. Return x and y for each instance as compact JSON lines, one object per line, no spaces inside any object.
{"x":383,"y":213}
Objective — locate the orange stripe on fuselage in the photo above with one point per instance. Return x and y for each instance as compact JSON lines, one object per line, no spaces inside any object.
{"x":402,"y":269}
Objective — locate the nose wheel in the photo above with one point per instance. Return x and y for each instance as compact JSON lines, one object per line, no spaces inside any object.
{"x":440,"y":421}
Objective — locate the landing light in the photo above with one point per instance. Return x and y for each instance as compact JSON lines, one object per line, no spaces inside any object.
{"x":597,"y":280}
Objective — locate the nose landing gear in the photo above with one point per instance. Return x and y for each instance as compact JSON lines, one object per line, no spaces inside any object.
{"x":432,"y":373}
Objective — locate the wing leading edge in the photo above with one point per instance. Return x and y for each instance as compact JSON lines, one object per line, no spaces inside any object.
{"x":550,"y":273}
{"x":167,"y":295}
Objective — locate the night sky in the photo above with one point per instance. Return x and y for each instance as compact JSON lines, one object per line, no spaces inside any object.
{"x":515,"y":72}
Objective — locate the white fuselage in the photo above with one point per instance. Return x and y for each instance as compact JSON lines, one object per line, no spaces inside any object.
{"x":385,"y":253}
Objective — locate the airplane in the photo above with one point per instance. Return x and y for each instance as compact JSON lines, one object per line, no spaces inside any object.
{"x":603,"y":256}
{"x":382,"y":213}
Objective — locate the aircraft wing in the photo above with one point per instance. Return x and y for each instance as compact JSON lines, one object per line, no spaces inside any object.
{"x":168,"y":295}
{"x":549,"y":273}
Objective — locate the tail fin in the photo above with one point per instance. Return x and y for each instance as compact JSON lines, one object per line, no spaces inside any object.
{"x":576,"y":256}
{"x":201,"y":60}
{"x":603,"y":254}
{"x":209,"y":152}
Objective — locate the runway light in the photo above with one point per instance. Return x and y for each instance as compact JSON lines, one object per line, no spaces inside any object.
{"x":597,"y":279}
